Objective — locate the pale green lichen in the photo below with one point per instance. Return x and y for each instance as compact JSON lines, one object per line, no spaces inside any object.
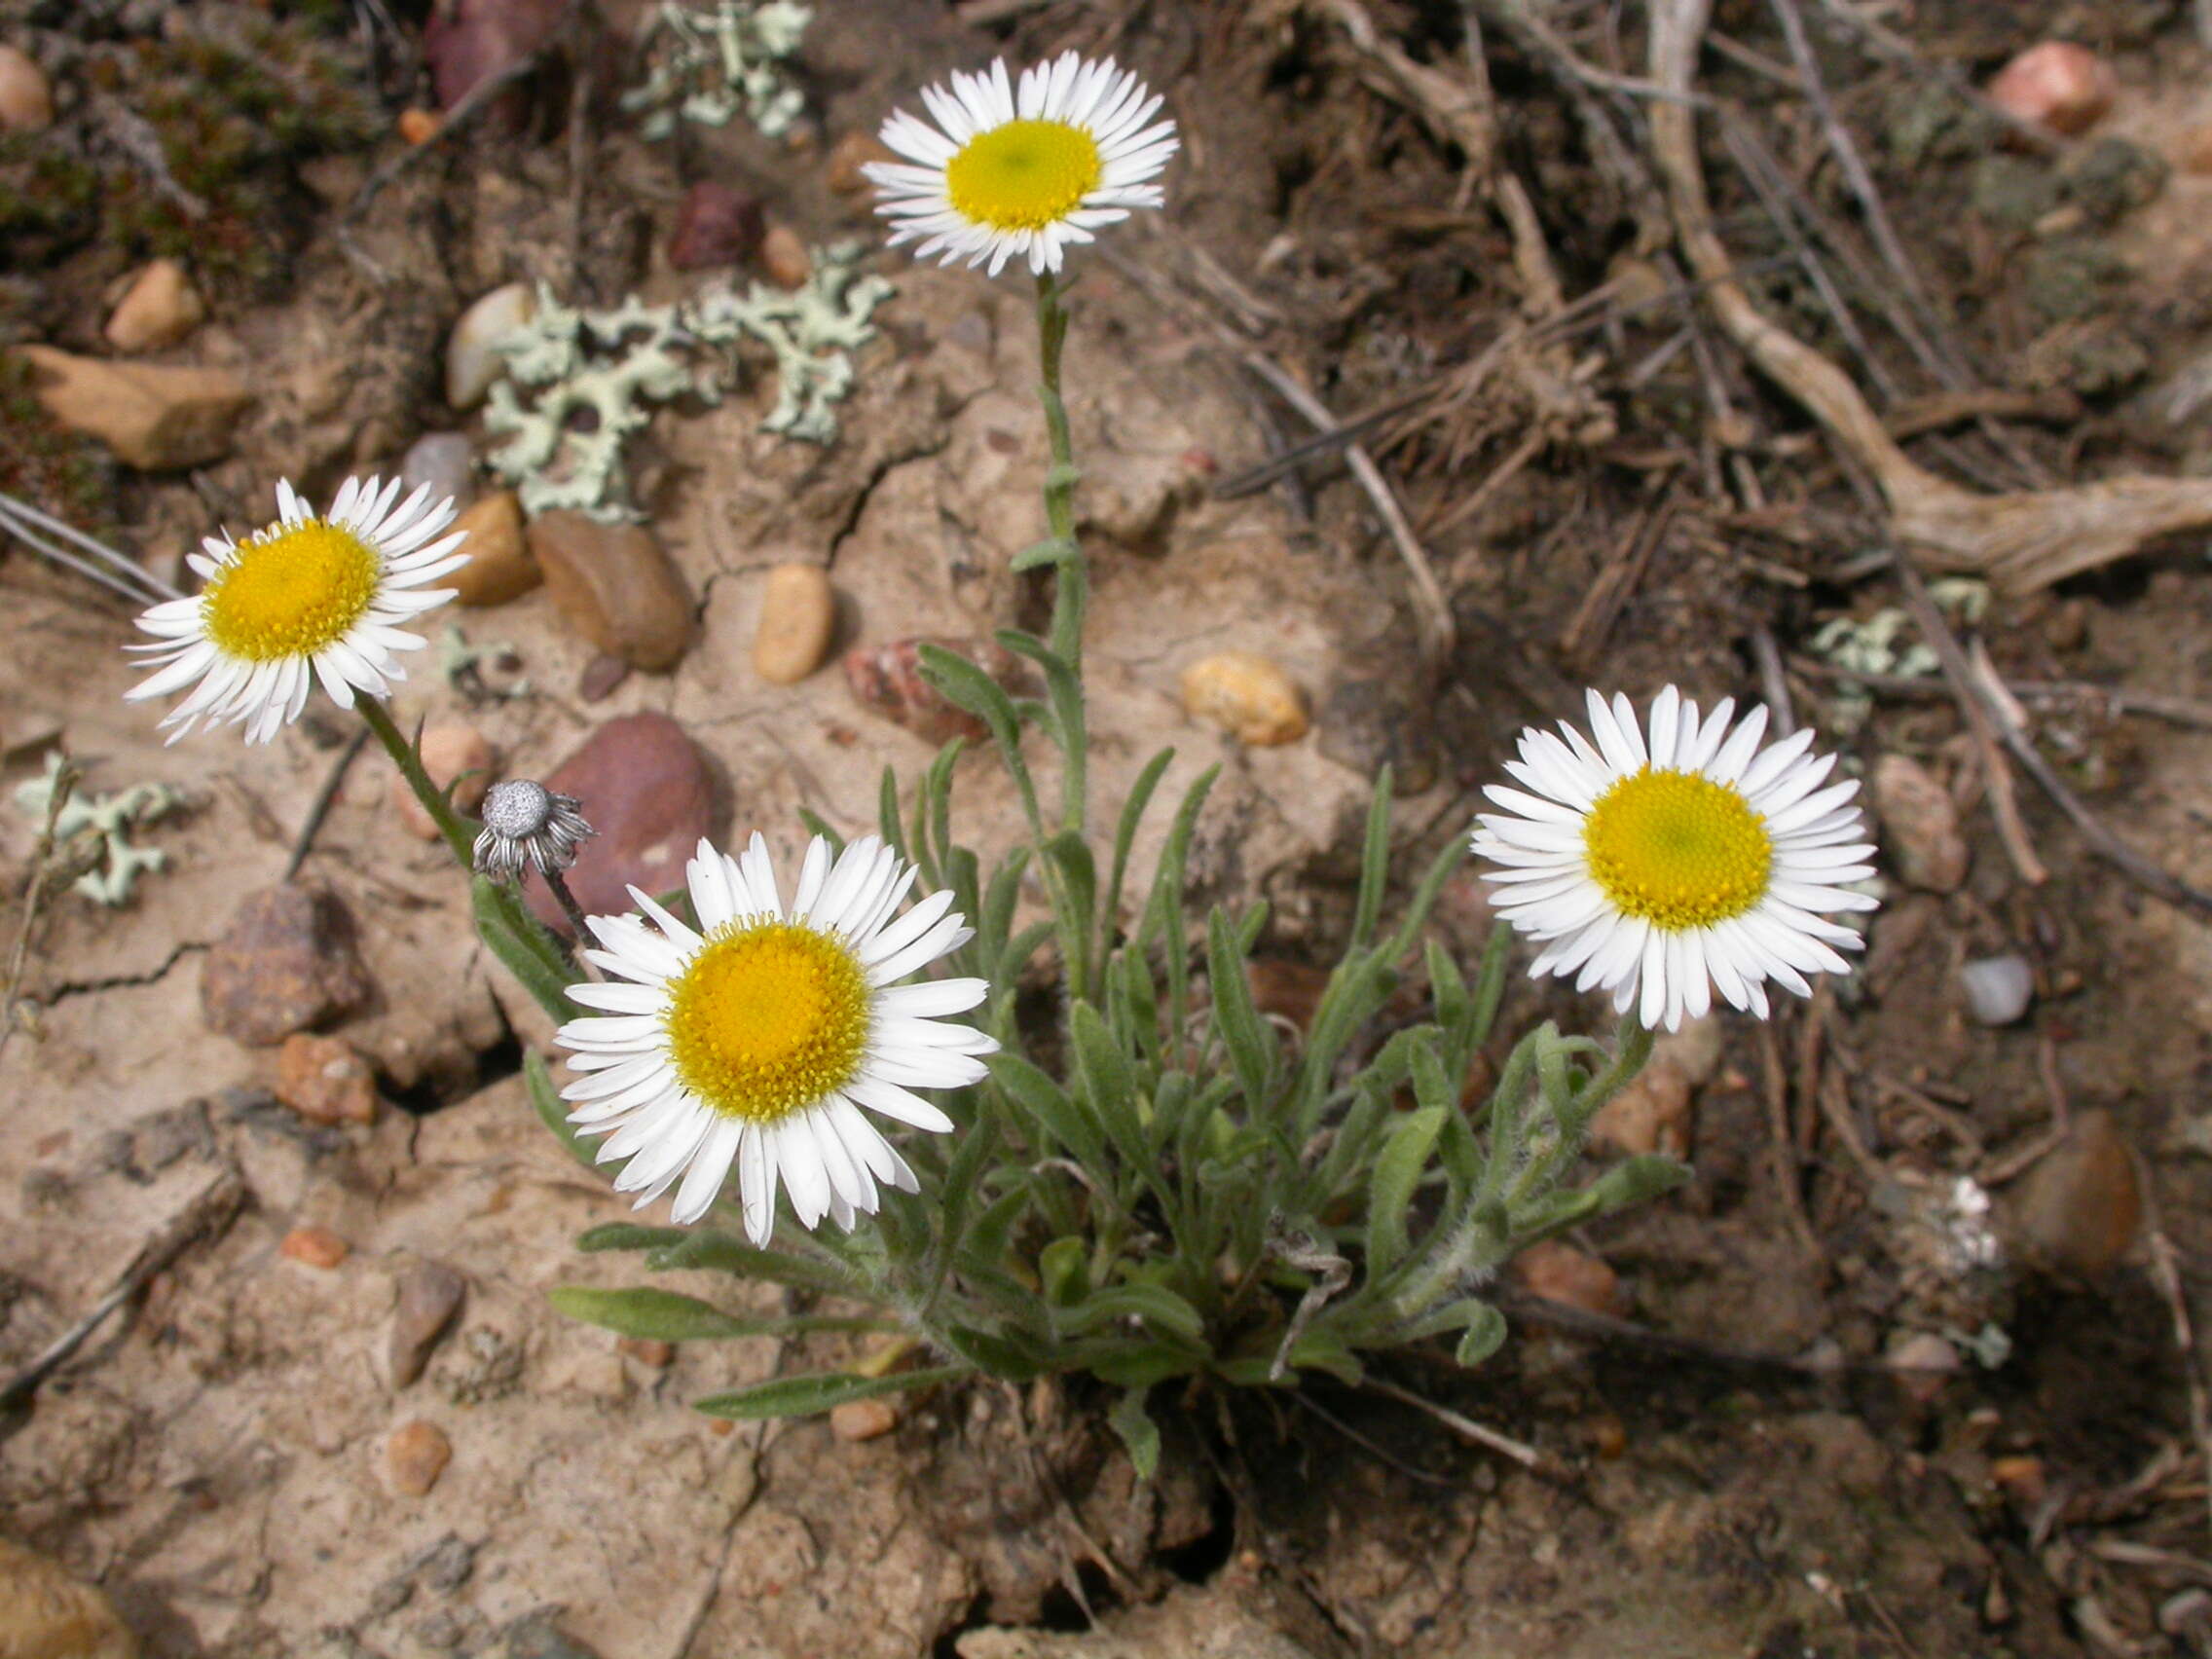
{"x":98,"y":829}
{"x":709,"y":63}
{"x":591,"y":376}
{"x":813,"y":331}
{"x":1875,"y":646}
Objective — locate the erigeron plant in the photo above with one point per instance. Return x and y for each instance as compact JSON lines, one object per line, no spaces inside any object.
{"x":1148,"y":1185}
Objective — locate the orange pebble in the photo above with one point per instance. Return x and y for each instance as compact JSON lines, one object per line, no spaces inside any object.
{"x":315,"y":1246}
{"x":419,"y":126}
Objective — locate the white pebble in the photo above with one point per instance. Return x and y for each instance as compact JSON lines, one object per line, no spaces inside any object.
{"x":471,"y":365}
{"x":444,"y":460}
{"x":1998,"y":989}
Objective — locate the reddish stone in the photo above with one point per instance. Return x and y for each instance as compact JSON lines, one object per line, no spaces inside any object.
{"x":644,"y":787}
{"x":468,"y":41}
{"x":314,"y":1247}
{"x":287,"y":962}
{"x":324,"y":1081}
{"x":887,"y":681}
{"x":714,"y":226}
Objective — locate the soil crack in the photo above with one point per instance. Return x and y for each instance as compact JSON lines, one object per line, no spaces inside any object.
{"x":68,"y":988}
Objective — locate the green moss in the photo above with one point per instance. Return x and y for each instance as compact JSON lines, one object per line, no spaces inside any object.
{"x":56,"y":471}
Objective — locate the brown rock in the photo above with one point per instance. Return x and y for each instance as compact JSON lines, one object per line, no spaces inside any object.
{"x":468,"y":41}
{"x":428,"y":1294}
{"x":500,"y":566}
{"x":1920,"y":825}
{"x":2079,"y":1210}
{"x":863,"y":1420}
{"x":2057,"y":84}
{"x":616,"y":587}
{"x":1560,"y":1273}
{"x":47,"y":1615}
{"x":2192,"y":149}
{"x":155,"y":417}
{"x":648,"y":1351}
{"x":644,"y":787}
{"x":27,"y":99}
{"x":887,"y":681}
{"x":415,"y":1457}
{"x":1650,"y":1115}
{"x":799,"y":613}
{"x":849,"y":155}
{"x":314,"y":1247}
{"x":783,"y":257}
{"x":286,"y":962}
{"x":715,"y":225}
{"x":454,"y":753}
{"x":1287,"y":988}
{"x":324,"y":1081}
{"x":1247,"y":695}
{"x":159,"y":308}
{"x":419,"y":126}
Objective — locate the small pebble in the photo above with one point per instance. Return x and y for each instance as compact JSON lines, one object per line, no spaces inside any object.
{"x":887,"y":679}
{"x":798,"y":614}
{"x":783,"y":257}
{"x":314,"y":1247}
{"x":647,"y":1350}
{"x":444,"y":460}
{"x":419,"y":126}
{"x":416,"y":1455}
{"x":324,"y":1081}
{"x":1651,"y":1114}
{"x":601,"y":677}
{"x":451,"y":751}
{"x":2193,"y":150}
{"x":2057,"y":84}
{"x":1923,"y":1363}
{"x":714,"y":226}
{"x":159,"y":308}
{"x":1560,"y":1273}
{"x":2079,"y":1210}
{"x":27,"y":100}
{"x":471,"y":364}
{"x":428,"y":1294}
{"x":500,"y":566}
{"x":863,"y":1420}
{"x":1247,"y":695}
{"x":849,"y":155}
{"x":1998,"y":989}
{"x":1920,"y":825}
{"x":46,"y":1613}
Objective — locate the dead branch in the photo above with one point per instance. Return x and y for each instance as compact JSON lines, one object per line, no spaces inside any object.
{"x":2020,"y":541}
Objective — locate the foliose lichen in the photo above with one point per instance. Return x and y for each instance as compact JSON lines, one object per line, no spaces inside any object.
{"x":97,"y":829}
{"x":591,"y":377}
{"x":709,"y":63}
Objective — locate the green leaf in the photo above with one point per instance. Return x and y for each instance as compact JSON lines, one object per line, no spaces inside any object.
{"x":1374,"y":862}
{"x":887,"y":815}
{"x":818,"y":1391}
{"x":627,"y":1235}
{"x":552,"y":1111}
{"x":987,"y":1240}
{"x":1390,"y":1192}
{"x":995,"y":920}
{"x":1104,"y":1074}
{"x":995,"y":1355}
{"x":1484,"y":1336}
{"x":1636,"y":1181}
{"x":1139,"y":1432}
{"x":703,"y":1250}
{"x":1447,"y":990}
{"x":1126,"y":832}
{"x":1063,"y":1268}
{"x":817,"y":824}
{"x":1133,"y":1365}
{"x":965,"y":684}
{"x":1071,"y":854}
{"x":1251,"y":1044}
{"x":523,"y":946}
{"x":664,"y":1315}
{"x":1052,"y":1106}
{"x":1163,"y":917}
{"x":1052,"y":550}
{"x":1161,"y":1309}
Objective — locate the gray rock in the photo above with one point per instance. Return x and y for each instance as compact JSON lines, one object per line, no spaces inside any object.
{"x":429,"y":1296}
{"x":444,"y":460}
{"x":286,"y":962}
{"x":1998,"y":989}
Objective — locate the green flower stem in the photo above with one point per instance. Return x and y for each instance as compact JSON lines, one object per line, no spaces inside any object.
{"x":1071,"y":579}
{"x":459,"y":832}
{"x":1632,"y":1046}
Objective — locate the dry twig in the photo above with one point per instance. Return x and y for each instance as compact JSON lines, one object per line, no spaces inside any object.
{"x":2021,"y":540}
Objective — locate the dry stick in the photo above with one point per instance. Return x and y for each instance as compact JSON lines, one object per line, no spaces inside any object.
{"x":1379,"y":1453}
{"x":1439,"y":634}
{"x":1773,"y":686}
{"x":1467,"y":1427}
{"x":1984,"y":692}
{"x":2023,"y":541}
{"x":319,"y":808}
{"x":42,"y":863}
{"x":466,"y":109}
{"x":2116,"y":700}
{"x":209,"y":1212}
{"x":2165,"y":1273}
{"x":1788,"y":1177}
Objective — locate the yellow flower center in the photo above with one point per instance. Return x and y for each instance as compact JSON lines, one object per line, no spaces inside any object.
{"x":768,"y":1019}
{"x":1023,"y":176}
{"x":1677,"y":848}
{"x":291,"y":592}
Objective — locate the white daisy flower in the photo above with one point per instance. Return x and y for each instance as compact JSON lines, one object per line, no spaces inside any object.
{"x":1023,"y":169}
{"x":1666,"y":860}
{"x":306,"y":599}
{"x":757,"y":1041}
